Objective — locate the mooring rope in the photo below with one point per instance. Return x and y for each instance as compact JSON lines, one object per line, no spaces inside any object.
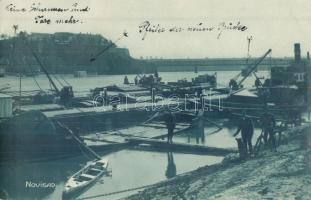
{"x":84,"y":154}
{"x":117,"y":192}
{"x":79,"y":141}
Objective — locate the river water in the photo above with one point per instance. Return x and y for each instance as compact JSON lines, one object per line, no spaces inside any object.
{"x":86,"y":83}
{"x":130,"y":168}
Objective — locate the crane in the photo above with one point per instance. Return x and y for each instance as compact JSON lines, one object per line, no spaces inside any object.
{"x":44,"y":70}
{"x":233,"y":82}
{"x":66,"y":93}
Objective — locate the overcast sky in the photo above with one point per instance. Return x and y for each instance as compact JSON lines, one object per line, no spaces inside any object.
{"x":275,"y":24}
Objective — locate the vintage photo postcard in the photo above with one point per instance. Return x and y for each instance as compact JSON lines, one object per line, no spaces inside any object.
{"x":155,"y":99}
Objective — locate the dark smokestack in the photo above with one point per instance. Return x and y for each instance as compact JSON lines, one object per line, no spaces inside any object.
{"x":308,"y":57}
{"x":297,"y":52}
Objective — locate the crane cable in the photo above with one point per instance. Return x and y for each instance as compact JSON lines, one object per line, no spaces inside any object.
{"x":57,"y":80}
{"x":62,"y":77}
{"x":34,"y":78}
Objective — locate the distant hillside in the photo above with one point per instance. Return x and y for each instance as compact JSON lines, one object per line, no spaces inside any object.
{"x":64,"y":52}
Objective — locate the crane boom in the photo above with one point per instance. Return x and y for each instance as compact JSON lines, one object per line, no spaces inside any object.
{"x":255,"y":66}
{"x":43,"y":69}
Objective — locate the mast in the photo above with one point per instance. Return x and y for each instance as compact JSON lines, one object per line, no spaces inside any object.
{"x":15,"y":27}
{"x":249,"y":39}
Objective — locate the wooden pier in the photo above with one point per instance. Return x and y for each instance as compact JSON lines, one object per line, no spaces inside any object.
{"x":146,"y":136}
{"x":182,"y":147}
{"x":118,"y":138}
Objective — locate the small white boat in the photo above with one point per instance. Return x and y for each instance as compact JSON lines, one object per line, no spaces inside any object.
{"x":87,"y":175}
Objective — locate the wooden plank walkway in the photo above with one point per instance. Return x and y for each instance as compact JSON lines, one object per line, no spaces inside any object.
{"x":141,"y":131}
{"x":149,"y":133}
{"x":182,"y":147}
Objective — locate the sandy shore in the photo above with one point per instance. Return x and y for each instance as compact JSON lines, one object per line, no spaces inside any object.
{"x":285,"y":174}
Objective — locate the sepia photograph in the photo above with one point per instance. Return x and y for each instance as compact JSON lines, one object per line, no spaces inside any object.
{"x":155,"y":99}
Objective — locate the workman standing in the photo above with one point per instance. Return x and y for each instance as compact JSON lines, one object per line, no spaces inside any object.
{"x":246,"y":128}
{"x":268,"y":124}
{"x":170,"y":121}
{"x":126,"y":80}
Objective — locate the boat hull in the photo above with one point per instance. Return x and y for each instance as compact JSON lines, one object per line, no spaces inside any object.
{"x":76,"y":185}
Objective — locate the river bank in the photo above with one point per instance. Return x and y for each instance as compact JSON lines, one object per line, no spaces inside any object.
{"x":285,"y":174}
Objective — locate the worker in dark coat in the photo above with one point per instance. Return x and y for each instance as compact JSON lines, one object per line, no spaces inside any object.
{"x":247,"y":130}
{"x":170,"y":121}
{"x":268,"y":124}
{"x":126,"y":81}
{"x":257,"y":83}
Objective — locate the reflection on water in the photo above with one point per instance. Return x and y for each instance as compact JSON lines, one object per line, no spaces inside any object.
{"x":130,"y":169}
{"x":86,"y":83}
{"x":138,"y":168}
{"x":171,"y":167}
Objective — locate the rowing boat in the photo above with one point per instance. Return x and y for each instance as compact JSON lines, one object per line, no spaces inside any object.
{"x":86,"y":176}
